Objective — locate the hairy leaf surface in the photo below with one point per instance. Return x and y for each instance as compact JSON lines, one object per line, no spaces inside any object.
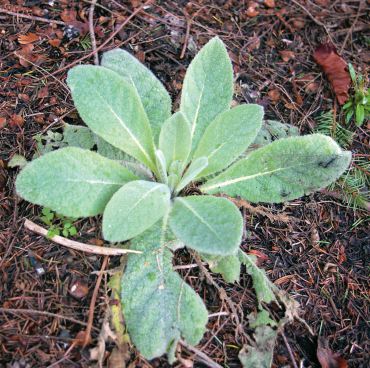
{"x":208,"y":87}
{"x":72,"y":181}
{"x":207,"y":224}
{"x":260,"y":352}
{"x":273,"y":130}
{"x":155,"y":98}
{"x":134,"y":208}
{"x":112,"y":108}
{"x":264,"y":288}
{"x":159,"y":307}
{"x":283,"y":170}
{"x":196,"y":166}
{"x":175,"y":139}
{"x":228,"y":266}
{"x":228,"y":136}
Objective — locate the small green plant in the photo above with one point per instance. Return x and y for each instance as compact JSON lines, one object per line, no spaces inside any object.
{"x":358,"y":105}
{"x":57,"y":224}
{"x":203,"y":146}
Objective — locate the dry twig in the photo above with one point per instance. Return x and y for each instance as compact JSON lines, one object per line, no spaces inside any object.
{"x":92,"y":33}
{"x":88,"y":248}
{"x":92,"y":303}
{"x":32,"y":17}
{"x":205,"y":358}
{"x":41,"y":313}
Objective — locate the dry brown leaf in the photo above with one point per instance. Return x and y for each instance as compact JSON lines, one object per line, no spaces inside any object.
{"x":27,"y":38}
{"x":16,"y":120}
{"x":55,"y":42}
{"x":252,"y":9}
{"x":2,"y":122}
{"x":287,"y":55}
{"x":299,"y":23}
{"x":68,"y":15}
{"x":270,"y":3}
{"x":79,"y":289}
{"x":327,"y":358}
{"x":43,"y":93}
{"x":335,"y":69}
{"x":274,"y":95}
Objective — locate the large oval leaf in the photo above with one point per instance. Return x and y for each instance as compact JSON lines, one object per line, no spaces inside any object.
{"x":111,"y":107}
{"x":72,"y":181}
{"x":208,"y":87}
{"x":283,"y":170}
{"x":155,"y":98}
{"x":175,"y":139}
{"x":228,"y":136}
{"x":134,"y":208}
{"x":207,"y":224}
{"x":159,"y":307}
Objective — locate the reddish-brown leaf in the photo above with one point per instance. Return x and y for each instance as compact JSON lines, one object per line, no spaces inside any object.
{"x":16,"y":120}
{"x":2,"y":122}
{"x":68,"y":15}
{"x":269,"y":3}
{"x":274,"y":95}
{"x":335,"y":69}
{"x":43,"y":92}
{"x":27,"y":38}
{"x":327,"y":358}
{"x":252,"y":9}
{"x":286,"y":55}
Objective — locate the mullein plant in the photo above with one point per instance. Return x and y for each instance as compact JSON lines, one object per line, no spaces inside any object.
{"x":204,"y":144}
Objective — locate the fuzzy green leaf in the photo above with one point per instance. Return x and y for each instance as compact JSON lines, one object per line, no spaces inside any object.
{"x":228,"y":136}
{"x":72,"y":181}
{"x":208,"y":87}
{"x":207,"y":224}
{"x":175,"y":139}
{"x":159,"y":307}
{"x":283,"y":170}
{"x":264,"y":288}
{"x":228,"y":266}
{"x":155,"y":98}
{"x":112,"y":109}
{"x":134,"y":208}
{"x":260,"y":352}
{"x":273,"y":130}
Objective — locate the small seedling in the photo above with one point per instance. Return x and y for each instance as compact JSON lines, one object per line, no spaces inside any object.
{"x":57,"y":224}
{"x":204,"y":145}
{"x":358,"y":105}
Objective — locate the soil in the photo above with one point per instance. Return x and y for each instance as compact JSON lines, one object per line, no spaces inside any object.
{"x":317,"y":252}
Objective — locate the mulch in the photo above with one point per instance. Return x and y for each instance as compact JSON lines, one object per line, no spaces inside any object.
{"x":317,"y":252}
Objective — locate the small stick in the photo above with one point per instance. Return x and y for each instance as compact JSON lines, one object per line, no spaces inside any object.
{"x":187,"y":34}
{"x":205,"y":358}
{"x":92,"y":33}
{"x":104,"y":251}
{"x":32,"y":17}
{"x":289,"y":350}
{"x":92,"y":303}
{"x":41,"y":313}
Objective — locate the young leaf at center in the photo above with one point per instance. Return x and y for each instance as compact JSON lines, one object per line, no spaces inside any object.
{"x":228,"y":136}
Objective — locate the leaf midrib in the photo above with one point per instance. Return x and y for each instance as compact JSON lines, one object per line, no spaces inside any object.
{"x":196,"y":214}
{"x":122,"y":123}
